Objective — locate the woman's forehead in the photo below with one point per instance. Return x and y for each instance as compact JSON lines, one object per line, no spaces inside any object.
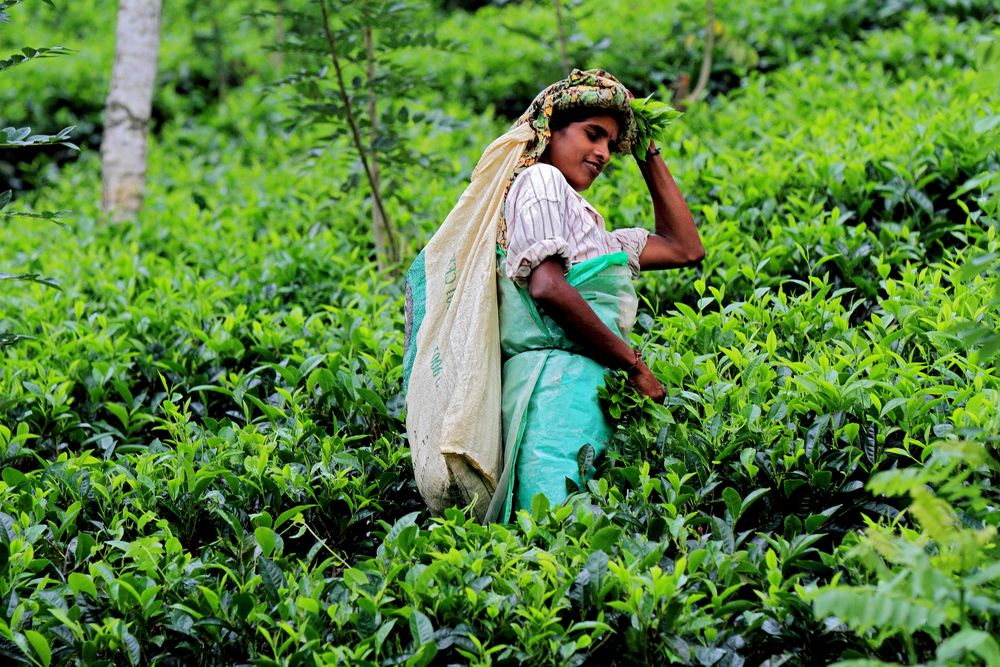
{"x":606,"y":123}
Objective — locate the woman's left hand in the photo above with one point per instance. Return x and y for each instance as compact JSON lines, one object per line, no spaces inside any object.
{"x":645,"y":382}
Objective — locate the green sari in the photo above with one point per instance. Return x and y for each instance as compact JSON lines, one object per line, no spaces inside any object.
{"x":550,"y":407}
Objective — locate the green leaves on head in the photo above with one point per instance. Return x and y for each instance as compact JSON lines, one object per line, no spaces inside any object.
{"x":651,"y":120}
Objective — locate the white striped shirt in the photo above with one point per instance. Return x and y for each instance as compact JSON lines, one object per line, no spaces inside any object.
{"x":546,"y":218}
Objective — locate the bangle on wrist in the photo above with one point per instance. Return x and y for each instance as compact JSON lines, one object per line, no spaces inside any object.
{"x":635,"y":363}
{"x":653,"y":153}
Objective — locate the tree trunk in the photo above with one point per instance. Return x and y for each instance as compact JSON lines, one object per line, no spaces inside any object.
{"x":127,"y":110}
{"x":280,"y":32}
{"x":706,"y":61}
{"x":378,"y":220}
{"x":563,"y":54}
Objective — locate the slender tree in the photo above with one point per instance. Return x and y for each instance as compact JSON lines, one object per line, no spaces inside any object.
{"x":351,"y":80}
{"x":381,"y":228}
{"x":563,"y":55}
{"x":127,"y":111}
{"x":706,"y":61}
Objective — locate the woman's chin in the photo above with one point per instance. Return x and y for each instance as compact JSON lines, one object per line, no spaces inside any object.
{"x":580,"y":181}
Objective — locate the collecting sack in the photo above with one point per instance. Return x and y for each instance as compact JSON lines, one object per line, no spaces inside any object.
{"x":451,"y":362}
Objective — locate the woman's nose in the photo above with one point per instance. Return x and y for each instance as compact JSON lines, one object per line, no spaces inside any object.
{"x":603,"y":151}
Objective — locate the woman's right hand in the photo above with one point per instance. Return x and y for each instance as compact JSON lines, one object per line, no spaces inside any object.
{"x":643,"y":380}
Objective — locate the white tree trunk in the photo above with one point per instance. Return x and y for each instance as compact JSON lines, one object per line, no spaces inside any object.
{"x":126,"y":113}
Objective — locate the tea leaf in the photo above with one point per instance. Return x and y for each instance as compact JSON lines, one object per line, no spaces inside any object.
{"x":421,"y":628}
{"x":40,"y":645}
{"x":82,"y":583}
{"x":605,"y":539}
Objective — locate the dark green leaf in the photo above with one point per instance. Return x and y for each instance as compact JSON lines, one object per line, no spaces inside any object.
{"x":421,"y":628}
{"x":132,"y":645}
{"x":606,"y":538}
{"x":731,"y":498}
{"x":272,"y":576}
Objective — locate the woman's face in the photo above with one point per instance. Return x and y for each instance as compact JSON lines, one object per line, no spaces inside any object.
{"x":582,"y":149}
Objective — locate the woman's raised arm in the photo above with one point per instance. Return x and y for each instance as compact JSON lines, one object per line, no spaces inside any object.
{"x":675,"y":241}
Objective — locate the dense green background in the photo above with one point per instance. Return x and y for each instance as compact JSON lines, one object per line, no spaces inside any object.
{"x":202,"y":445}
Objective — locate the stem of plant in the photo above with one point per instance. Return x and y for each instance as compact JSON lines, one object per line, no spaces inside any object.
{"x":341,"y":560}
{"x":911,"y":650}
{"x":706,"y":61}
{"x":378,"y":222}
{"x":355,"y":133}
{"x":279,"y":33}
{"x":563,"y":57}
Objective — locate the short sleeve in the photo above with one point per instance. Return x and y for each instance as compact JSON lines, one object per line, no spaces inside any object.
{"x":632,"y":242}
{"x":536,"y":222}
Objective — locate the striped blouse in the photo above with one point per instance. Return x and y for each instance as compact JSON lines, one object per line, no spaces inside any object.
{"x":546,"y":218}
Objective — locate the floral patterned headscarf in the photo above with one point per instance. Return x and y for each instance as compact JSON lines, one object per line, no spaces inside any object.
{"x":582,"y":88}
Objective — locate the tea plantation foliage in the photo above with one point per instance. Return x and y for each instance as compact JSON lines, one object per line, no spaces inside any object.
{"x":202,"y":444}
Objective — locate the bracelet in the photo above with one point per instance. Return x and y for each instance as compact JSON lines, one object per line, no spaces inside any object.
{"x":653,"y":153}
{"x":635,"y":362}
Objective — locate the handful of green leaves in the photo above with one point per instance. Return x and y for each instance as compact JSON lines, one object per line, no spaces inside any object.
{"x":651,"y":120}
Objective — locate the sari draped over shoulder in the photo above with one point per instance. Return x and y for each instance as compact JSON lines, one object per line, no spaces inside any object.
{"x":550,"y":403}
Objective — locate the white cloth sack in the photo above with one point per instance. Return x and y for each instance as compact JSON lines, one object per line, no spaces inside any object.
{"x":453,"y":393}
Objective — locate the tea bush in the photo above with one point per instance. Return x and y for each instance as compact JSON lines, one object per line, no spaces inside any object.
{"x":203,"y":453}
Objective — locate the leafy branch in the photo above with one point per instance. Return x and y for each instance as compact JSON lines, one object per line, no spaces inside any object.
{"x":30,"y":277}
{"x":29,"y":53}
{"x":19,"y":137}
{"x":929,"y":569}
{"x":7,"y":339}
{"x":53,"y":216}
{"x":392,"y":250}
{"x":5,"y":17}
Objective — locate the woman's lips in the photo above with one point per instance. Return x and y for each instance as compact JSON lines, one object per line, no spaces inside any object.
{"x":594,"y":167}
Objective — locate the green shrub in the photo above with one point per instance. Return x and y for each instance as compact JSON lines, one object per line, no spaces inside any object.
{"x":205,"y":461}
{"x":928,"y":582}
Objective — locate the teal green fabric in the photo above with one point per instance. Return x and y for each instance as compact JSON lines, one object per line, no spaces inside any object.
{"x":550,"y":404}
{"x":416,"y":307}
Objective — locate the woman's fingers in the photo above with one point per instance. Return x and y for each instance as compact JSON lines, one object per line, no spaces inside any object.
{"x":647,"y":384}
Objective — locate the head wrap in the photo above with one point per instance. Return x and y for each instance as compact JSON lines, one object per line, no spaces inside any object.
{"x":582,"y":88}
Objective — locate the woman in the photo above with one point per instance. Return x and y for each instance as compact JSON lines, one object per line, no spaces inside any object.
{"x":559,"y":343}
{"x":556,"y":306}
